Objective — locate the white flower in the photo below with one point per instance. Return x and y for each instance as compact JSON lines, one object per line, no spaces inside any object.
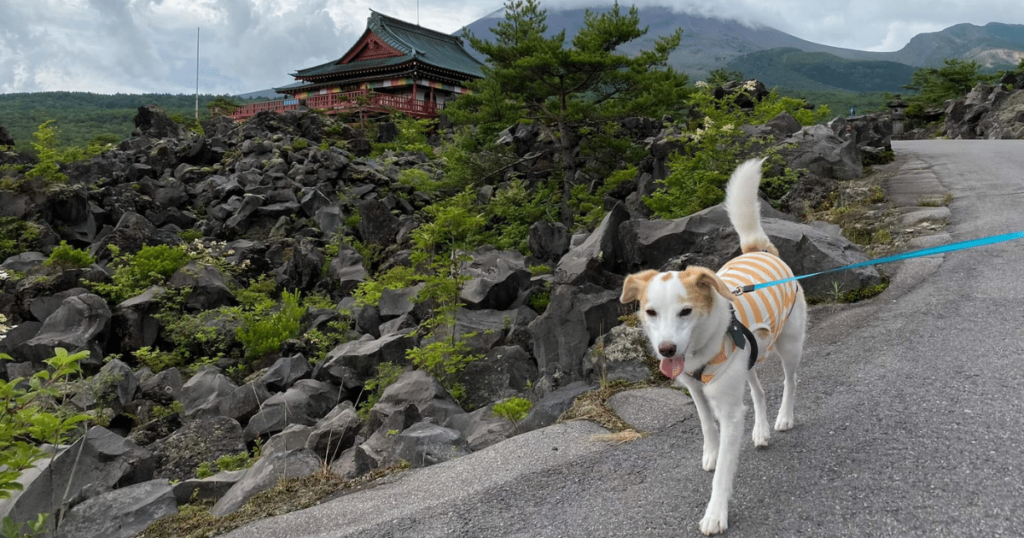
{"x":3,"y":274}
{"x":3,"y":326}
{"x":701,"y":84}
{"x":750,"y":85}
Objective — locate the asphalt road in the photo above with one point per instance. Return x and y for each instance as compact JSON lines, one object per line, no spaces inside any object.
{"x":910,"y":418}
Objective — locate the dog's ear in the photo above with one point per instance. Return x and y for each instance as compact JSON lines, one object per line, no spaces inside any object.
{"x":635,"y":284}
{"x":711,"y":280}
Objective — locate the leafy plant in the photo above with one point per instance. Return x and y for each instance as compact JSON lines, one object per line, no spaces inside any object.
{"x":47,"y":148}
{"x":17,"y":236}
{"x":439,"y":249}
{"x":513,"y":409}
{"x":699,"y":172}
{"x":412,"y":135}
{"x":231,"y":462}
{"x":387,"y":374}
{"x":66,"y":257}
{"x":152,"y":265}
{"x":263,"y":332}
{"x":27,"y":417}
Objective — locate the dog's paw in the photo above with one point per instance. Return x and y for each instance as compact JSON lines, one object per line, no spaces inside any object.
{"x":783,"y":422}
{"x":761,"y":434}
{"x":714,"y":522}
{"x":710,"y":459}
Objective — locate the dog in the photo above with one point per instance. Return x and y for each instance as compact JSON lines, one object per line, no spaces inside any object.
{"x":709,"y":338}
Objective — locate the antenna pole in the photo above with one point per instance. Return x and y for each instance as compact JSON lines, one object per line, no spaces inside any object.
{"x":197,"y":74}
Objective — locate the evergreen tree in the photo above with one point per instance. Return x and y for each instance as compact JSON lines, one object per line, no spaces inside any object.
{"x":530,"y":77}
{"x":951,"y":81}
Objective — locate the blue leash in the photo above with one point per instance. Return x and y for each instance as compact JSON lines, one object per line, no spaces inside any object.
{"x":895,"y":258}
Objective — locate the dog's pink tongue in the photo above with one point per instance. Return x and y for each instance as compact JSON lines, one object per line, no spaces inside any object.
{"x":672,"y":367}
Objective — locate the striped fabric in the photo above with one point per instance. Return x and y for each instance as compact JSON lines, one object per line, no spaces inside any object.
{"x":766,"y":308}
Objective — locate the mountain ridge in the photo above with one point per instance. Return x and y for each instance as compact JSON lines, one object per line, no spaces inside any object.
{"x":709,"y":43}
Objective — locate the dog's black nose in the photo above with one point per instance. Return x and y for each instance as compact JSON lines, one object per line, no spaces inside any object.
{"x":667,"y":350}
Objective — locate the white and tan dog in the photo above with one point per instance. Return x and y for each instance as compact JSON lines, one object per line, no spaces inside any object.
{"x":709,"y":339}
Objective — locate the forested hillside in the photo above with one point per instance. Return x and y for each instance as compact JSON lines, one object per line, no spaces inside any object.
{"x":800,"y":70}
{"x":81,"y":116}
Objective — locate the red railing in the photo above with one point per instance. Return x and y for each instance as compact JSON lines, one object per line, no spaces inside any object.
{"x":334,"y":103}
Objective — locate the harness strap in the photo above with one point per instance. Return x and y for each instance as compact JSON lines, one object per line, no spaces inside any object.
{"x":740,"y":336}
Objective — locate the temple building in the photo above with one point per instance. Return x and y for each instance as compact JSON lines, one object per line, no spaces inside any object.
{"x":393,"y":66}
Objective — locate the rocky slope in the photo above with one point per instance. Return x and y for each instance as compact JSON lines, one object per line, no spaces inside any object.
{"x":265,"y":199}
{"x":990,"y":112}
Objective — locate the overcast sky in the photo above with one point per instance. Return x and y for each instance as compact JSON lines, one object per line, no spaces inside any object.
{"x":141,"y":46}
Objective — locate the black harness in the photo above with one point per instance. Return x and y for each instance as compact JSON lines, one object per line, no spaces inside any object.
{"x":740,"y":336}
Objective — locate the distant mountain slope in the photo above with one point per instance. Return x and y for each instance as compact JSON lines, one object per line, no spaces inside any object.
{"x":995,"y":45}
{"x":707,"y":43}
{"x":800,"y":70}
{"x":710,"y":43}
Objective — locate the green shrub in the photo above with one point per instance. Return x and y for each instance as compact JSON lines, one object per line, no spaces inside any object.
{"x":412,"y":136}
{"x":540,"y":301}
{"x":230,"y":462}
{"x":158,"y":360}
{"x":17,"y":236}
{"x":263,"y":332}
{"x":368,"y":292}
{"x":152,"y":265}
{"x":66,"y":257}
{"x":26,"y":419}
{"x":387,"y":374}
{"x":46,"y":170}
{"x":420,"y":180}
{"x":513,"y":409}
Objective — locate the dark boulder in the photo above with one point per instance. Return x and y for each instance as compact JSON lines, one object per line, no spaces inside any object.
{"x":202,"y":440}
{"x":574,"y":319}
{"x":153,"y":122}
{"x":134,"y":326}
{"x":208,"y":287}
{"x":81,"y":323}
{"x":99,"y":460}
{"x":121,"y":513}
{"x":496,"y":278}
{"x":306,"y":402}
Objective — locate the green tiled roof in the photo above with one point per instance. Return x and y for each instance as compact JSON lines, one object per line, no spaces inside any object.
{"x":415,"y":42}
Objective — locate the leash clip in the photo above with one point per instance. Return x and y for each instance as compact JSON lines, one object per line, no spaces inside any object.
{"x":738,"y":291}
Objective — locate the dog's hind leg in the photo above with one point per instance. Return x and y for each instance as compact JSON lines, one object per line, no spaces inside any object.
{"x":791,"y":349}
{"x":762,"y":433}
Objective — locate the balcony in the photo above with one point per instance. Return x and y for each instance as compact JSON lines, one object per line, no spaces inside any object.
{"x":345,"y":103}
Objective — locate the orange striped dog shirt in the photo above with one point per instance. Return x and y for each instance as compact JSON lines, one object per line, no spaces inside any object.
{"x":764,"y":312}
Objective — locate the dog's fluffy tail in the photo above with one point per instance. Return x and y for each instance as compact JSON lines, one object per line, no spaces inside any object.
{"x":745,"y":209}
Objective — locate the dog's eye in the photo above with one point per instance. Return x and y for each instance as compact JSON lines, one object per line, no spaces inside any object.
{"x":651,"y":313}
{"x":685,"y":312}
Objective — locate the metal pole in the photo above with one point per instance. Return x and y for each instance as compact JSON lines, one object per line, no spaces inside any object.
{"x":197,"y":74}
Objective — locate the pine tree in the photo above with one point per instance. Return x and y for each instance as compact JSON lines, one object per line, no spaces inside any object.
{"x":530,"y":77}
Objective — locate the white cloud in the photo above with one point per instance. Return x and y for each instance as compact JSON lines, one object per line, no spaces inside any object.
{"x":149,"y":45}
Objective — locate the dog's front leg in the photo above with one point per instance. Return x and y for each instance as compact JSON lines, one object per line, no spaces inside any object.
{"x":707,"y":423}
{"x":730,"y":413}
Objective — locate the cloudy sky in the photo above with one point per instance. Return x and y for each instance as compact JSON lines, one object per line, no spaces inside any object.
{"x":139,"y":46}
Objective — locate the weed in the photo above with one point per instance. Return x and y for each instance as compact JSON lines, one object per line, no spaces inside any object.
{"x":513,"y":409}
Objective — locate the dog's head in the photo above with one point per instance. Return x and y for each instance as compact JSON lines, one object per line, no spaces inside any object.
{"x":680,"y":310}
